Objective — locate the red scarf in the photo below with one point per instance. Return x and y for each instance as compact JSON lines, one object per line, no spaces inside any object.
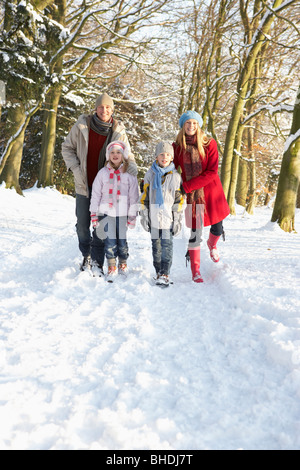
{"x":193,"y":167}
{"x":112,"y":173}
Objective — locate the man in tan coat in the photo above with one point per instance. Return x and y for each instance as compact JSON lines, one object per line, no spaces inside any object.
{"x":84,"y":154}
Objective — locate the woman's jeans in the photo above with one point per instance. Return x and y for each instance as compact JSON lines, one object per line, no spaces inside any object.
{"x":88,"y":245}
{"x":162,"y":250}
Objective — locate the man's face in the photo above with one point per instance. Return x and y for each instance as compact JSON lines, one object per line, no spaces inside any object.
{"x":104,"y":112}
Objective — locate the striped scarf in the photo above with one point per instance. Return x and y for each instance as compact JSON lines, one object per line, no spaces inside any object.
{"x":112,"y":174}
{"x":193,"y":167}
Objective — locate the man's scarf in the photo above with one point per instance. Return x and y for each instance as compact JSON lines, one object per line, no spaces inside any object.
{"x":102,"y":128}
{"x":157,"y":185}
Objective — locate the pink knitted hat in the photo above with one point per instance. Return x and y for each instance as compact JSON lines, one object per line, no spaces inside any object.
{"x":120,"y":145}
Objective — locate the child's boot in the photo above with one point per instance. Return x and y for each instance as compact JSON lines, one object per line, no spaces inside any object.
{"x":212,"y":245}
{"x":112,"y":270}
{"x":195,"y":265}
{"x":163,"y":280}
{"x":123,"y":269}
{"x":86,"y":263}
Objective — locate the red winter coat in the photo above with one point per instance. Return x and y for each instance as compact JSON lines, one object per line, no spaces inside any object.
{"x":215,"y":202}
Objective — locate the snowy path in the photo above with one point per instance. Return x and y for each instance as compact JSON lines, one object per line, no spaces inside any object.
{"x":89,"y":365}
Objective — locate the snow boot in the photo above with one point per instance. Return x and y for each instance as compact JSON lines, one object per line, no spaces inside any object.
{"x":86,"y":263}
{"x":111,"y":273}
{"x":212,"y":245}
{"x":162,"y":280}
{"x":123,"y":269}
{"x":195,"y":265}
{"x":97,"y":269}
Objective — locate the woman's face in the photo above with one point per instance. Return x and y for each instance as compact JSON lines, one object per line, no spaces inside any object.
{"x":190,"y":127}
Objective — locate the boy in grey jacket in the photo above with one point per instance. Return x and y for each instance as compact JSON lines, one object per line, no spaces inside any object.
{"x":161,"y":209}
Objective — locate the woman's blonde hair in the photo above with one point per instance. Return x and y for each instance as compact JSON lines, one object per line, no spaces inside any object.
{"x":202,"y":140}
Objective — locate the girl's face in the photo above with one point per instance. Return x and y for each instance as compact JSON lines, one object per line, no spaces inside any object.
{"x":190,"y":126}
{"x":115,"y":156}
{"x":164,"y":159}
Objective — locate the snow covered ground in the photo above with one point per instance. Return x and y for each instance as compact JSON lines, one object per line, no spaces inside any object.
{"x":90,"y":365}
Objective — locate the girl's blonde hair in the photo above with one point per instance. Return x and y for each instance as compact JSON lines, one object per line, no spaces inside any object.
{"x":202,"y":140}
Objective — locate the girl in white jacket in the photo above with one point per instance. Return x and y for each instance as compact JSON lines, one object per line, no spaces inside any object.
{"x":114,"y":206}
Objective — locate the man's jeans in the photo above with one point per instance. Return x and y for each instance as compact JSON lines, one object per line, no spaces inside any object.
{"x":162,"y":250}
{"x":88,"y":245}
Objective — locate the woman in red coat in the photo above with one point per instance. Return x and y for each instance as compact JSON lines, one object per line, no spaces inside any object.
{"x":196,"y":156}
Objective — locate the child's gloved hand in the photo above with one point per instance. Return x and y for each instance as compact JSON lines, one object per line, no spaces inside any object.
{"x":95,"y":220}
{"x":131,"y":222}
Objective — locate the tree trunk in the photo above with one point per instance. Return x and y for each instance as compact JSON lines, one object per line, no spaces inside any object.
{"x":11,"y":170}
{"x":271,"y":182}
{"x":214,"y":61}
{"x":298,"y":198}
{"x":51,"y":106}
{"x":235,"y":171}
{"x":242,"y":184}
{"x":252,"y":196}
{"x":288,"y":184}
{"x":20,"y":92}
{"x":49,"y":138}
{"x":242,"y":88}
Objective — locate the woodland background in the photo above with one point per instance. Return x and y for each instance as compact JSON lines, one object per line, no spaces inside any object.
{"x":236,"y":62}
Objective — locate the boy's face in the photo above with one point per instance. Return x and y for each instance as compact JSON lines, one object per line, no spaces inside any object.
{"x":164,"y":159}
{"x":116,"y":156}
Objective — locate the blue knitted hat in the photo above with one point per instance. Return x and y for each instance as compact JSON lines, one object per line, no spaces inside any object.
{"x":190,"y":115}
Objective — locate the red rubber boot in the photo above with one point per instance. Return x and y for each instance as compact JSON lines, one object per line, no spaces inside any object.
{"x":195,"y":265}
{"x":212,"y":245}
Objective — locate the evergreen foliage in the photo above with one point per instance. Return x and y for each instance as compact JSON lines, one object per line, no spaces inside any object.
{"x":23,"y":64}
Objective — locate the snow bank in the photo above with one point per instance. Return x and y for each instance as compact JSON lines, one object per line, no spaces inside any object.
{"x":89,"y":365}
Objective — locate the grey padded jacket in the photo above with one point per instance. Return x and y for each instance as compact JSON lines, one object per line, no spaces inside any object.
{"x":170,"y":213}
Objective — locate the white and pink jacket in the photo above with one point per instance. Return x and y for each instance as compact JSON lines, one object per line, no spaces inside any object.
{"x":114,"y":193}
